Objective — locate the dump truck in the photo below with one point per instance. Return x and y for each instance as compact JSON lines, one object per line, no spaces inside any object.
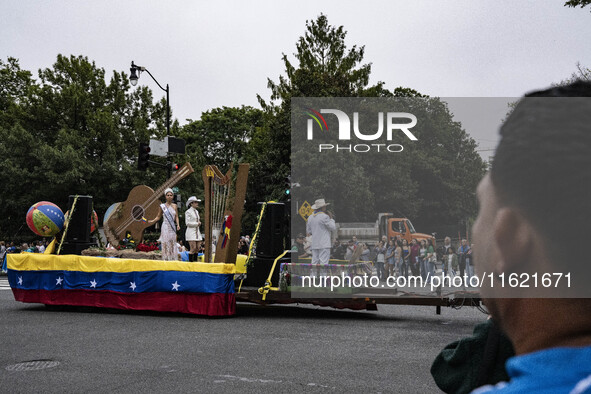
{"x":386,"y":224}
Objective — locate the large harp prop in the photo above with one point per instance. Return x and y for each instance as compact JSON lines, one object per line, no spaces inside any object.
{"x":223,"y":212}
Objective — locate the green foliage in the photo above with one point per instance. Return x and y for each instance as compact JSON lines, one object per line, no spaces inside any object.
{"x":14,"y":83}
{"x":75,"y":130}
{"x":71,"y":132}
{"x":583,"y":73}
{"x":577,"y":3}
{"x":222,"y":136}
{"x":325,"y":68}
{"x":14,"y":86}
{"x":432,"y":182}
{"x":444,"y":165}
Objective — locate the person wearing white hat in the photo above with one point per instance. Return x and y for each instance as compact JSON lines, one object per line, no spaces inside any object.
{"x":321,"y":225}
{"x":192,"y":234}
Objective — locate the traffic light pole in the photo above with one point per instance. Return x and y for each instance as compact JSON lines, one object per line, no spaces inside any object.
{"x":168,"y":165}
{"x":144,"y":160}
{"x":134,"y":77}
{"x":135,"y":73}
{"x":167,"y":102}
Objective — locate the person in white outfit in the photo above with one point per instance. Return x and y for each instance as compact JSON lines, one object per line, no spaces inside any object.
{"x":321,"y":225}
{"x":192,"y":234}
{"x":170,"y":225}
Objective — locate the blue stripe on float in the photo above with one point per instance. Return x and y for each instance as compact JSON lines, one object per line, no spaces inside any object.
{"x":147,"y":281}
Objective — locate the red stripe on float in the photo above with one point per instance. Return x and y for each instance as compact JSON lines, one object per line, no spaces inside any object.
{"x":208,"y":304}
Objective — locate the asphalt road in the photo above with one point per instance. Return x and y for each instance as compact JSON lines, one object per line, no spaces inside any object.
{"x":275,"y":348}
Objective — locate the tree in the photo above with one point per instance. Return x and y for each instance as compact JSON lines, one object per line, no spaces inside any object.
{"x":14,"y":86}
{"x":71,"y":133}
{"x":426,"y":183}
{"x":220,"y":137}
{"x":222,"y":134}
{"x":432,"y":181}
{"x":577,"y":3}
{"x":325,"y":68}
{"x":583,"y":73}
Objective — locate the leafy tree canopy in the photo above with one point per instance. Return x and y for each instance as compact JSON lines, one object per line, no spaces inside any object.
{"x":428,"y":184}
{"x":75,"y":130}
{"x":70,"y":132}
{"x":577,"y":3}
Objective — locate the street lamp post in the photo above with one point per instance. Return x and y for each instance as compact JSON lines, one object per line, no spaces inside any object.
{"x":134,"y":76}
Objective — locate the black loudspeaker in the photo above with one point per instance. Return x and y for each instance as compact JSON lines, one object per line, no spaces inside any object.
{"x":79,"y":227}
{"x":75,"y":247}
{"x":273,"y":236}
{"x":258,"y":273}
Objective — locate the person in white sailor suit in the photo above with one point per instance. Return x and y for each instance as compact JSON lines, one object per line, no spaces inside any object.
{"x":192,"y":234}
{"x":320,"y":225}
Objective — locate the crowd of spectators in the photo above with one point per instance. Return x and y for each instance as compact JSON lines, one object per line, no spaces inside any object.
{"x":396,"y":256}
{"x":17,"y":247}
{"x":39,"y":247}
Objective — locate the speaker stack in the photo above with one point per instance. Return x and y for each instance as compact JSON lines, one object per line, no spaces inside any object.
{"x":273,"y":236}
{"x":78,"y":234}
{"x":272,"y":240}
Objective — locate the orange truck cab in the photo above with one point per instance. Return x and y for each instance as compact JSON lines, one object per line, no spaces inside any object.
{"x":404,"y":228}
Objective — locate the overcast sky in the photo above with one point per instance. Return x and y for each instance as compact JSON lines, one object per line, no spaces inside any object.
{"x":220,"y":53}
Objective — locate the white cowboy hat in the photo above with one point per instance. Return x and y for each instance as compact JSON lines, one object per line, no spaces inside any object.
{"x":191,"y":199}
{"x":319,"y":203}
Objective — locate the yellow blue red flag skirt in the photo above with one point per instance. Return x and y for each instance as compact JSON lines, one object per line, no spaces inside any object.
{"x":164,"y":286}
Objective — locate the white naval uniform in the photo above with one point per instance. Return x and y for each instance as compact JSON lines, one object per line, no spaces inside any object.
{"x":191,"y":220}
{"x":321,"y":226}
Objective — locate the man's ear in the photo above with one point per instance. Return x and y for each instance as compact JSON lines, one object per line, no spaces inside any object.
{"x":513,"y":236}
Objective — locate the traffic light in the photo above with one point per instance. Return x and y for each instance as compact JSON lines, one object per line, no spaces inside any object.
{"x":288,"y":185}
{"x":174,"y":167}
{"x":143,"y":159}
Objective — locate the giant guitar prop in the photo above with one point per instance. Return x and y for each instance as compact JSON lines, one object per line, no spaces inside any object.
{"x":142,"y":202}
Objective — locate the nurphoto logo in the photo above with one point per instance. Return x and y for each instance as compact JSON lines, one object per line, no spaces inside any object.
{"x":393,"y":120}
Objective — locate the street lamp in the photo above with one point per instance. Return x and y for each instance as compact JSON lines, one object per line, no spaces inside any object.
{"x":134,"y":76}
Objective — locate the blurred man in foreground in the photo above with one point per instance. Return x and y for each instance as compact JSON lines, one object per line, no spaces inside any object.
{"x":535,"y":217}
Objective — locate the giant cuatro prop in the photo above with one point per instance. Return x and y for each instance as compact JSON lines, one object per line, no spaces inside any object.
{"x":142,"y":202}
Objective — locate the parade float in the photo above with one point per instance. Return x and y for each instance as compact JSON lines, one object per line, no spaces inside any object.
{"x":137,"y":282}
{"x":72,"y":272}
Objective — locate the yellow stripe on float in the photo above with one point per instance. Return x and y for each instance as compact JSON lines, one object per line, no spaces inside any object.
{"x":44,"y":262}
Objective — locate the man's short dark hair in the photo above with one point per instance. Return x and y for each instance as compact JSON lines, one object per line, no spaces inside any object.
{"x":542,"y":166}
